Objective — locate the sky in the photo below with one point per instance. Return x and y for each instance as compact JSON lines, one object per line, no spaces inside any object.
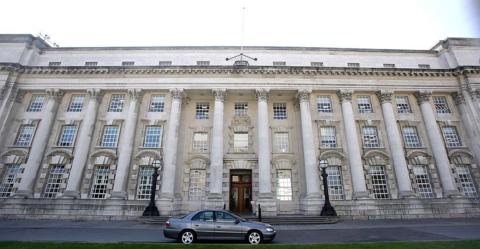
{"x":396,"y":24}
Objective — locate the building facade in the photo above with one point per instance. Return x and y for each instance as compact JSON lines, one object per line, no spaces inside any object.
{"x":399,"y":130}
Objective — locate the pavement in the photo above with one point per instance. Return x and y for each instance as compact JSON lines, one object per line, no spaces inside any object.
{"x":349,"y":231}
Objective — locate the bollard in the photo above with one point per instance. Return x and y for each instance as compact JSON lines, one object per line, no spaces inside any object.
{"x":259,"y":213}
{"x":224,"y":206}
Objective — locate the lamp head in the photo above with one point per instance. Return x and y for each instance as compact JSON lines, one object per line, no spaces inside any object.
{"x":323,"y":164}
{"x":157,"y":163}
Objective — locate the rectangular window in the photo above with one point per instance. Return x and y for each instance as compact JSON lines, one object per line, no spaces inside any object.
{"x":284,"y":185}
{"x":324,"y":104}
{"x":100,"y":182}
{"x":316,"y":64}
{"x":364,"y":104}
{"x":203,"y":63}
{"x":165,"y":63}
{"x":240,"y":141}
{"x":335,"y":184}
{"x":54,"y":64}
{"x":356,"y":65}
{"x":370,"y":137}
{"x":116,"y":103}
{"x":196,"y":190}
{"x":144,"y":186}
{"x":279,"y":111}
{"x":424,"y":66}
{"x":451,"y":136}
{"x":328,"y":138}
{"x":91,"y":63}
{"x":200,"y":142}
{"x":67,"y":137}
{"x":424,"y":188}
{"x":403,"y":105}
{"x":410,"y":137}
{"x":241,"y":109}
{"x":128,"y":63}
{"x":152,"y":137}
{"x":281,"y":142}
{"x":76,"y":103}
{"x":36,"y":103}
{"x":389,"y":65}
{"x":202,"y":110}
{"x":11,"y":173}
{"x":54,"y":181}
{"x":157,"y":103}
{"x":441,"y":105}
{"x":467,"y":186}
{"x":109,"y":137}
{"x":25,"y":135}
{"x":379,"y":182}
{"x":279,"y":63}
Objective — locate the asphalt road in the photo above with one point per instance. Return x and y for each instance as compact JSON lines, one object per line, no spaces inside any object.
{"x":342,"y":232}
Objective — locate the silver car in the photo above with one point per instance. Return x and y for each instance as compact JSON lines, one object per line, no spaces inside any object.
{"x":217,"y":224}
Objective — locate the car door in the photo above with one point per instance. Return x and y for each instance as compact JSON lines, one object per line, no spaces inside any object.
{"x":203,"y":224}
{"x":227,"y":226}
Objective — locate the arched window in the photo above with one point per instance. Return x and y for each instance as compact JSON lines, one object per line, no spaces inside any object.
{"x":377,"y":176}
{"x":55,"y":177}
{"x":144,"y":180}
{"x":10,"y":176}
{"x":101,"y":176}
{"x":421,"y":177}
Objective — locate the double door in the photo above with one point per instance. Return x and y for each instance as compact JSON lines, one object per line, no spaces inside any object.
{"x":241,"y":191}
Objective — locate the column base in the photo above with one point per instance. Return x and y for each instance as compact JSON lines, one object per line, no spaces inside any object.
{"x":71,"y":194}
{"x":312,"y":204}
{"x":452,"y":194}
{"x":119,"y":195}
{"x":361,"y":195}
{"x":23,"y":194}
{"x":267,"y":203}
{"x":165,"y":204}
{"x":215,"y":201}
{"x":406,"y":194}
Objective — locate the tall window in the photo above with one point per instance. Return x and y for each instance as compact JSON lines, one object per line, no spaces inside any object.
{"x":279,"y":111}
{"x":379,"y":181}
{"x":109,"y":137}
{"x":116,"y":103}
{"x":200,"y":142}
{"x":157,"y":103}
{"x":410,"y":137}
{"x":280,"y":142}
{"x":144,"y":187}
{"x":241,"y":109}
{"x":403,"y":106}
{"x":240,"y":141}
{"x":10,"y":177}
{"x":36,"y":103}
{"x":54,"y":181}
{"x":25,"y":135}
{"x":451,"y":136}
{"x":284,"y":185}
{"x":424,"y":188}
{"x":335,"y":183}
{"x":370,"y":137}
{"x":364,"y":104}
{"x":324,"y":104}
{"x":76,"y":103}
{"x":441,"y":105}
{"x":466,"y":184}
{"x":67,"y":137}
{"x":202,"y":110}
{"x":328,"y":138}
{"x":100,"y":182}
{"x":152,"y":137}
{"x":196,"y":190}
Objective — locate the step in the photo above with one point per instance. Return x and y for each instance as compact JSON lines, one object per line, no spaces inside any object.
{"x":273,"y":220}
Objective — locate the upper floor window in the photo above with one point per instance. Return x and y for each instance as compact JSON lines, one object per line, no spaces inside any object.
{"x":54,"y":64}
{"x":201,"y":110}
{"x":128,"y":63}
{"x":424,"y":66}
{"x":328,"y":138}
{"x":279,"y":111}
{"x":451,"y":136}
{"x":279,"y":63}
{"x":370,"y":137}
{"x":116,"y":103}
{"x":36,"y":103}
{"x":364,"y":104}
{"x":280,"y":142}
{"x":410,"y":137}
{"x":200,"y":142}
{"x":324,"y":104}
{"x":76,"y":103}
{"x":389,"y":65}
{"x":165,"y":63}
{"x":152,"y":137}
{"x":316,"y":64}
{"x":203,"y":63}
{"x":353,"y":64}
{"x":441,"y":105}
{"x":25,"y":135}
{"x":109,"y":137}
{"x":240,"y":141}
{"x":67,"y":137}
{"x":157,"y":103}
{"x":241,"y":109}
{"x":403,"y":106}
{"x":91,"y":63}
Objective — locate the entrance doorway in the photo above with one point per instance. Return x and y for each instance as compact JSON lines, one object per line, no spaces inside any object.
{"x":240,"y":191}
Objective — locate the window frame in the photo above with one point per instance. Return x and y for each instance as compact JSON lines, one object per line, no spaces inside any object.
{"x":321,"y":105}
{"x":157,"y":106}
{"x":280,"y":111}
{"x":102,"y":139}
{"x":200,"y":146}
{"x":366,"y":107}
{"x":202,"y":111}
{"x":76,"y":106}
{"x":61,"y":142}
{"x":116,"y":105}
{"x":154,"y":144}
{"x":38,"y":105}
{"x":17,"y":142}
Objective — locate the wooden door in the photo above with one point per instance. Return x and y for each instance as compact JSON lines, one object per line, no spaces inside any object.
{"x":240,"y":191}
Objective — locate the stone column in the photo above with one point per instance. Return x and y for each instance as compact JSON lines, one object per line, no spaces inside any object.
{"x":125,"y":147}
{"x":39,"y":144}
{"x":395,"y":143}
{"x":170,"y":154}
{"x":80,"y":158}
{"x":469,"y":124}
{"x":215,"y":198}
{"x":437,"y":145}
{"x":353,"y":146}
{"x":10,"y":101}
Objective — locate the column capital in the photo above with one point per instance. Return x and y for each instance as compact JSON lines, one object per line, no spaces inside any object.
{"x":262,"y":94}
{"x":177,"y":93}
{"x":219,"y":94}
{"x":423,"y":96}
{"x":304,"y":95}
{"x":458,"y":97}
{"x":17,"y":94}
{"x":135,"y":94}
{"x":385,"y":96}
{"x":54,"y":94}
{"x":345,"y":95}
{"x":95,"y":93}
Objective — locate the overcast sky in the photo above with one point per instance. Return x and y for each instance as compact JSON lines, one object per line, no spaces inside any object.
{"x":405,"y":24}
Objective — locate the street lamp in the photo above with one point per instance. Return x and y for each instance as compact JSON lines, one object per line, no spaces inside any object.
{"x":327,"y":209}
{"x":151,"y":209}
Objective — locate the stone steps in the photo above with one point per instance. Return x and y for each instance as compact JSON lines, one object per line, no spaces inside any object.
{"x":273,"y":220}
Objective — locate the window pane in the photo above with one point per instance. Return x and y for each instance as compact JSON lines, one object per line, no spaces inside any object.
{"x":152,"y":137}
{"x":410,"y":137}
{"x":116,"y":103}
{"x":324,"y":104}
{"x":25,"y":135}
{"x":109,"y":138}
{"x":200,"y":142}
{"x":370,"y":137}
{"x":441,"y":105}
{"x":379,"y":182}
{"x":202,"y":111}
{"x":11,"y":173}
{"x":403,"y":106}
{"x":36,"y":104}
{"x":279,"y":111}
{"x":54,"y":181}
{"x":67,"y":137}
{"x":144,"y":185}
{"x":157,"y":103}
{"x":284,"y":185}
{"x":280,"y":142}
{"x":76,"y":103}
{"x":240,"y":141}
{"x":328,"y":138}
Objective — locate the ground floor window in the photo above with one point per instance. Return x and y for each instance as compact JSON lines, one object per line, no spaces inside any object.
{"x":54,"y":181}
{"x":196,"y":190}
{"x":144,"y":187}
{"x":10,"y":176}
{"x":465,"y":181}
{"x":422,"y":179}
{"x":284,"y":184}
{"x":335,"y":184}
{"x":100,"y":182}
{"x":379,"y":181}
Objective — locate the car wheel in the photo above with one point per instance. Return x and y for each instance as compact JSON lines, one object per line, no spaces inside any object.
{"x":187,"y":237}
{"x":254,"y":237}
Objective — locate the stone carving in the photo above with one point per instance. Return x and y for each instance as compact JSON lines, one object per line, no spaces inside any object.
{"x":135,"y":94}
{"x":55,"y":94}
{"x":385,"y":96}
{"x":219,"y":94}
{"x":345,"y":95}
{"x":95,"y":94}
{"x":423,"y":96}
{"x":304,"y":95}
{"x":17,"y":94}
{"x":177,"y":93}
{"x":458,"y":98}
{"x":262,"y":94}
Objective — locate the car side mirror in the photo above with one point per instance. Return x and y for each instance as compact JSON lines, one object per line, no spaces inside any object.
{"x":237,"y":221}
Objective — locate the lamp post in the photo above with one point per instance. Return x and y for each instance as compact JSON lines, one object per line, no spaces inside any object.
{"x":151,"y":209}
{"x":327,"y":209}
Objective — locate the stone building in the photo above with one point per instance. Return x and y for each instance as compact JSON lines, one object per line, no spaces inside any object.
{"x":80,"y":128}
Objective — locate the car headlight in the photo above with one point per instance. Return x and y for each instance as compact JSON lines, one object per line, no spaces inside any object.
{"x":269,"y":229}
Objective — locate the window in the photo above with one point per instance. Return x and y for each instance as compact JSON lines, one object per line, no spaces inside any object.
{"x":203,"y":63}
{"x":153,"y":136}
{"x":109,"y":137}
{"x":379,"y":182}
{"x":196,"y":190}
{"x":36,"y":104}
{"x":100,"y":182}
{"x":389,"y":65}
{"x":144,"y":187}
{"x":451,"y":136}
{"x":424,"y":188}
{"x":410,"y":137}
{"x":91,"y":64}
{"x":157,"y":103}
{"x":280,"y":142}
{"x":279,"y":63}
{"x":284,"y":185}
{"x":279,"y":111}
{"x":67,"y":137}
{"x":364,"y":104}
{"x":316,"y":64}
{"x":202,"y":110}
{"x":356,"y":65}
{"x":240,"y":141}
{"x":9,"y":178}
{"x":76,"y":103}
{"x":335,"y":184}
{"x":116,"y":103}
{"x":241,"y":109}
{"x":441,"y":105}
{"x":54,"y":64}
{"x":200,"y":142}
{"x":25,"y":135}
{"x":128,"y":63}
{"x":370,"y":137}
{"x":403,"y":106}
{"x":165,"y":63}
{"x":324,"y":104}
{"x":465,"y":181}
{"x":424,"y":66}
{"x":54,"y":181}
{"x":328,"y":138}
{"x":206,"y":216}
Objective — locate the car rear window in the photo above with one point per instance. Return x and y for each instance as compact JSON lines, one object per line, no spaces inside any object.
{"x":204,"y":216}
